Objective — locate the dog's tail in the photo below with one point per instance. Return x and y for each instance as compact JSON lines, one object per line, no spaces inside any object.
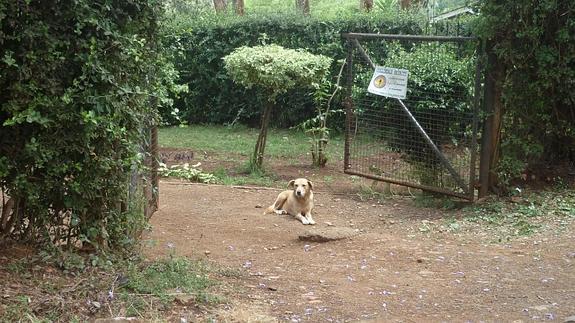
{"x":270,"y":209}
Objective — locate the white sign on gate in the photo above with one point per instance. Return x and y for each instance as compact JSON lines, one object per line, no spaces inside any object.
{"x":389,"y":82}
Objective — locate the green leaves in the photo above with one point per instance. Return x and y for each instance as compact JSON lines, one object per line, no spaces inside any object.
{"x":275,"y":68}
{"x":80,"y":81}
{"x":535,"y":45}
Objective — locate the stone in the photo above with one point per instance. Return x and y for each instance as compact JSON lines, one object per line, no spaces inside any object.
{"x":540,"y":308}
{"x":184,"y":299}
{"x":118,"y":320}
{"x":570,"y":319}
{"x":327,"y":234}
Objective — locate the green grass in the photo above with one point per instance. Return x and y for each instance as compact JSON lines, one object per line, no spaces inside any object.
{"x":246,"y":177}
{"x":144,"y":289}
{"x":167,"y":278}
{"x":324,"y":8}
{"x":289,"y":144}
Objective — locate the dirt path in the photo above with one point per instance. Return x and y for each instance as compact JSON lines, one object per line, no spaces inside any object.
{"x":390,"y":271}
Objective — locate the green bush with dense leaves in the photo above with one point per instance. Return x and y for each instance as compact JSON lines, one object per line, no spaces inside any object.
{"x":440,"y":86}
{"x":439,"y":91}
{"x":80,"y":80}
{"x":535,"y":47}
{"x":274,"y":70}
{"x":215,"y":98}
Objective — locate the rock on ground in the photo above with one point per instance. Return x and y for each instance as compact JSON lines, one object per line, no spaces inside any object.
{"x":327,"y":234}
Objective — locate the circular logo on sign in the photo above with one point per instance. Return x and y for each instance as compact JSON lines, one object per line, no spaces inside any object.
{"x":379,"y":81}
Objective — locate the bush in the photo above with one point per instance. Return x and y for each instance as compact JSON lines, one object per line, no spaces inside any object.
{"x":535,"y":47}
{"x":274,"y":70}
{"x":213,"y":96}
{"x":78,"y":82}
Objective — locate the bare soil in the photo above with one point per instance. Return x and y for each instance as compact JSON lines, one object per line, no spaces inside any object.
{"x":394,"y":269}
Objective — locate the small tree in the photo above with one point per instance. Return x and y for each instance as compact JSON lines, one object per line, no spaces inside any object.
{"x":275,"y":70}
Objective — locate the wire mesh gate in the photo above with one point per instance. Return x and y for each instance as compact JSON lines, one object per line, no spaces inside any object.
{"x":428,"y":140}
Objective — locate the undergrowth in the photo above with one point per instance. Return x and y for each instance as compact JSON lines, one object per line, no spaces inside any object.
{"x":44,"y":289}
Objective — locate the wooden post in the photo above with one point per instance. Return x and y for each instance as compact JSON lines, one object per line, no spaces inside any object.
{"x":302,"y":6}
{"x":490,"y":140}
{"x":220,"y":5}
{"x":366,"y":5}
{"x":238,"y":7}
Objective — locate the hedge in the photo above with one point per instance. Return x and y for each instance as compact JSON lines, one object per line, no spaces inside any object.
{"x":214,"y":98}
{"x":77,"y":79}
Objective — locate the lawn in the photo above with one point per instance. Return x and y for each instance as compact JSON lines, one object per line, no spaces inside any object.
{"x":239,"y":140}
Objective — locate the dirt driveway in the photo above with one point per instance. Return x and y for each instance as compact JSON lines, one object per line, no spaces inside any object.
{"x":393,"y":270}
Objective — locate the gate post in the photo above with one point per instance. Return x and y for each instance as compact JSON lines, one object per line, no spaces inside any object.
{"x":492,"y":128}
{"x":348,"y":104}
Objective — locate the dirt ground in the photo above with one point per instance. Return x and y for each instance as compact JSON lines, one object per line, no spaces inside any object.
{"x":392,"y":270}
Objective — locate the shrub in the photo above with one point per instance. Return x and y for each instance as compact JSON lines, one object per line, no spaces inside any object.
{"x":439,"y":94}
{"x":213,"y":96}
{"x":535,"y":48}
{"x":274,"y":70}
{"x":78,"y":81}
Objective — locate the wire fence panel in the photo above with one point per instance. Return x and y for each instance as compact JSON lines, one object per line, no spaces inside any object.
{"x":429,"y":139}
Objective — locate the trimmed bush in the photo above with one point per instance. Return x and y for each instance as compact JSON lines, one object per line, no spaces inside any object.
{"x":78,"y":80}
{"x":213,"y":96}
{"x":535,"y":48}
{"x":274,"y":70}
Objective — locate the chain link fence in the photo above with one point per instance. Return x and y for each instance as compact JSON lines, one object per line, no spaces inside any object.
{"x":429,"y":139}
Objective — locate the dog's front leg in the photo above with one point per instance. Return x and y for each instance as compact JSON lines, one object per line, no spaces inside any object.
{"x":309,"y":218}
{"x":303,"y":219}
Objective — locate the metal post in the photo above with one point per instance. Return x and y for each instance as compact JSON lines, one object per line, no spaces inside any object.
{"x":348,"y":105}
{"x":476,"y":112}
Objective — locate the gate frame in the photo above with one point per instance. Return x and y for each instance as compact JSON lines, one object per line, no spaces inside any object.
{"x":352,"y":40}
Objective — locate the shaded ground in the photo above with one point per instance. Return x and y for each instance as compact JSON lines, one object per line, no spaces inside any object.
{"x":404,"y":265}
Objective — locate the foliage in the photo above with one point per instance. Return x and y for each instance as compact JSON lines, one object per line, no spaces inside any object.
{"x":184,"y":171}
{"x":80,"y":81}
{"x":275,"y":69}
{"x":215,"y":98}
{"x":316,"y":127}
{"x":45,"y":291}
{"x":235,"y":142}
{"x":439,"y":93}
{"x":168,"y":278}
{"x":535,"y":45}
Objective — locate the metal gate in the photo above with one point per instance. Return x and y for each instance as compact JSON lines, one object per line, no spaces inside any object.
{"x":429,"y":139}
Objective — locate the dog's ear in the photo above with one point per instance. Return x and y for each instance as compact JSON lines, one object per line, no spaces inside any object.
{"x":291,"y":184}
{"x":310,"y":184}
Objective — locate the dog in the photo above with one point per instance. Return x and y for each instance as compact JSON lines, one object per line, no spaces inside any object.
{"x":297,"y":201}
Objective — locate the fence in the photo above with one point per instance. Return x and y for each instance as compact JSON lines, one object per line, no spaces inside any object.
{"x":429,"y":139}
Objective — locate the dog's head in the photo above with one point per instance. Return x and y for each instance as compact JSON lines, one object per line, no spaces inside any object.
{"x":301,"y":186}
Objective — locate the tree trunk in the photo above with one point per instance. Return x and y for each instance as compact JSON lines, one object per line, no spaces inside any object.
{"x":366,"y":5}
{"x":220,"y":5}
{"x":405,"y":4}
{"x":302,"y":6}
{"x":491,"y":138}
{"x":238,"y":7}
{"x":258,"y":157}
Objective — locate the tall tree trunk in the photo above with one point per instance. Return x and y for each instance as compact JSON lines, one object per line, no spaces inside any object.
{"x":405,"y":4}
{"x":302,"y":6}
{"x":366,"y":5}
{"x":238,"y":7}
{"x":220,"y":5}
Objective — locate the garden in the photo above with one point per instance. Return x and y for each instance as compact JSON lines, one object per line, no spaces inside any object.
{"x":141,"y":141}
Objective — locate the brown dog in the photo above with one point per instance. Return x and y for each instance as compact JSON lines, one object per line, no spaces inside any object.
{"x":298,"y":201}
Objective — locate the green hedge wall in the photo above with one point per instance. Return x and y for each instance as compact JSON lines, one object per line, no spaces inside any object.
{"x":77,"y":78}
{"x":214,"y":98}
{"x":535,"y":47}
